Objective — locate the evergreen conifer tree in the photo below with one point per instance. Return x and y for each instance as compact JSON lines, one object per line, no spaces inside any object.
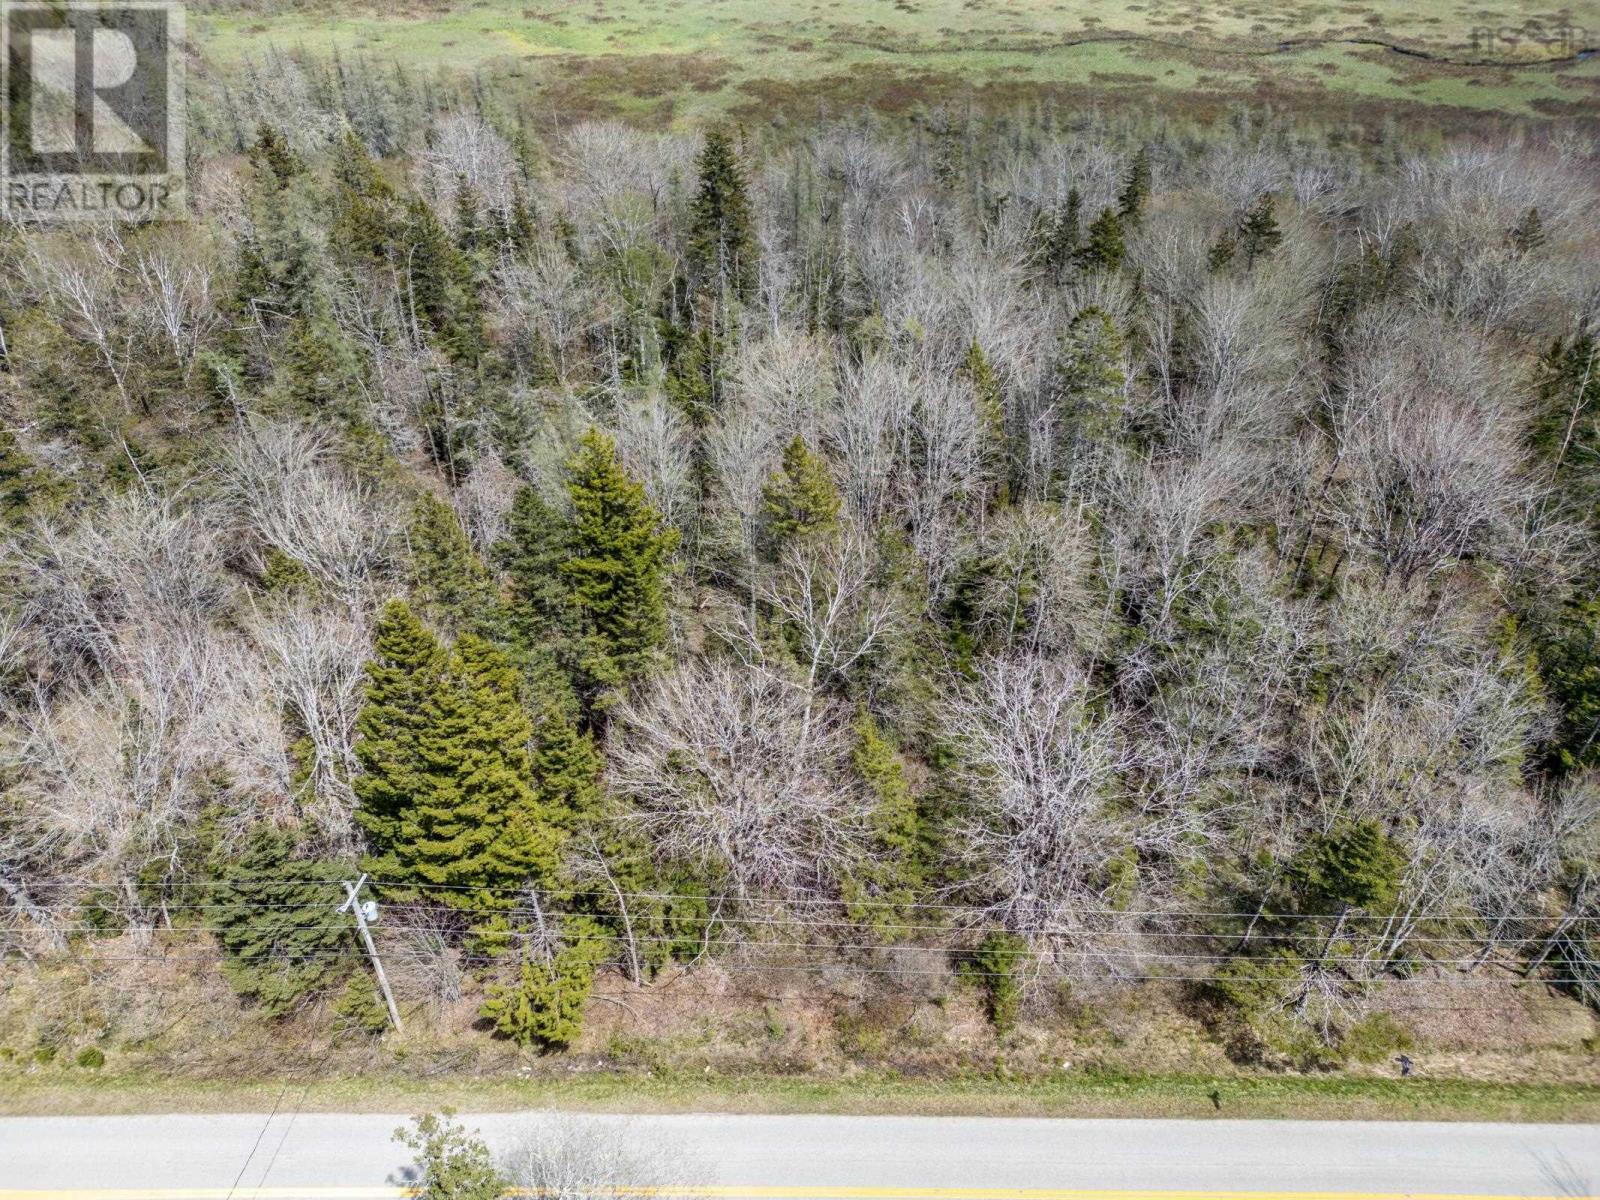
{"x":1259,"y":234}
{"x":1131,"y":201}
{"x":472,"y":229}
{"x":694,"y":355}
{"x":279,"y":925}
{"x":890,"y":874}
{"x":1105,"y":248}
{"x":317,"y":372}
{"x":367,"y":217}
{"x":405,"y":671}
{"x":520,"y":223}
{"x":1566,"y":423}
{"x":1352,"y":866}
{"x":277,"y":271}
{"x":538,"y":625}
{"x":1529,"y":232}
{"x":800,"y":500}
{"x":1222,"y":253}
{"x":566,"y":766}
{"x":475,"y":830}
{"x":721,"y":241}
{"x":617,"y":570}
{"x":1066,"y":234}
{"x":991,"y":421}
{"x":1569,"y":666}
{"x":1089,"y":375}
{"x":284,"y":575}
{"x":451,"y":584}
{"x":543,"y":1007}
{"x":538,"y":539}
{"x":442,"y":292}
{"x":272,"y":154}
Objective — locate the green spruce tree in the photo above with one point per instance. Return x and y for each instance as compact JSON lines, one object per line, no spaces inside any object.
{"x":1259,"y":234}
{"x":694,"y":354}
{"x":996,"y":445}
{"x":405,"y":671}
{"x":1569,"y":665}
{"x":889,"y":876}
{"x":367,"y":217}
{"x":1105,"y":248}
{"x":272,"y":155}
{"x":1222,"y":253}
{"x":1353,"y":866}
{"x":1529,"y":232}
{"x":451,"y":585}
{"x":1566,"y":421}
{"x":538,"y":539}
{"x":566,"y":766}
{"x":539,"y":624}
{"x":317,"y":372}
{"x":1089,"y":376}
{"x":1066,"y":235}
{"x":519,"y":225}
{"x":721,"y":240}
{"x":283,"y":940}
{"x":617,"y":572}
{"x":442,"y":293}
{"x":475,"y":830}
{"x":474,"y":232}
{"x":800,"y":501}
{"x":1136,"y":190}
{"x":543,"y":1005}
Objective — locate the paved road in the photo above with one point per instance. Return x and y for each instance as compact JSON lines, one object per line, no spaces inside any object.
{"x":331,"y":1157}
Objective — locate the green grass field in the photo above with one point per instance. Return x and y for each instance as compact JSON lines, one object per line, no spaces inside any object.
{"x":686,"y":58}
{"x":1082,"y":1094}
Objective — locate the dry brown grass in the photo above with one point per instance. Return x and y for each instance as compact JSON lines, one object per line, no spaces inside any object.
{"x":175,"y":1027}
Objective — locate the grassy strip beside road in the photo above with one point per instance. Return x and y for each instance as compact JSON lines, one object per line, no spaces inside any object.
{"x":1067,"y":1095}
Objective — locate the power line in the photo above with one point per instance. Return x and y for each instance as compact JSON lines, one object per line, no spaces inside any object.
{"x":979,"y":909}
{"x":760,"y":968}
{"x":700,"y":921}
{"x":256,"y":1145}
{"x":840,"y":947}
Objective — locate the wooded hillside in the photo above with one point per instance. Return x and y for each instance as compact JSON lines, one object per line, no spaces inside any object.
{"x":1090,"y":551}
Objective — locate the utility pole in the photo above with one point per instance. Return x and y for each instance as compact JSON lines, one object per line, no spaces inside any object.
{"x":353,"y":903}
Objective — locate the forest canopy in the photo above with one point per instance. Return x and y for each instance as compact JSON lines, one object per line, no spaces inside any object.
{"x":1094,"y":549}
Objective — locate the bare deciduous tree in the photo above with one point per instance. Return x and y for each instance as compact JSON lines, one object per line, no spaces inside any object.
{"x":741,"y":772}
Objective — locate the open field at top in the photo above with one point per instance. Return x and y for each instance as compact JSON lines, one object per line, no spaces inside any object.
{"x":675,"y":59}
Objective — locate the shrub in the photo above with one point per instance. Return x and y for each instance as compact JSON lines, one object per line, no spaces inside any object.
{"x":1355,"y":865}
{"x":1261,"y":1030}
{"x":359,"y":1007}
{"x":544,"y":1006}
{"x":1254,"y":986}
{"x":451,"y":1163}
{"x":993,"y":966}
{"x":1375,"y":1038}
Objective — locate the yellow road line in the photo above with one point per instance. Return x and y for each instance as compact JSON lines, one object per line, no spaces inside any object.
{"x":754,"y":1193}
